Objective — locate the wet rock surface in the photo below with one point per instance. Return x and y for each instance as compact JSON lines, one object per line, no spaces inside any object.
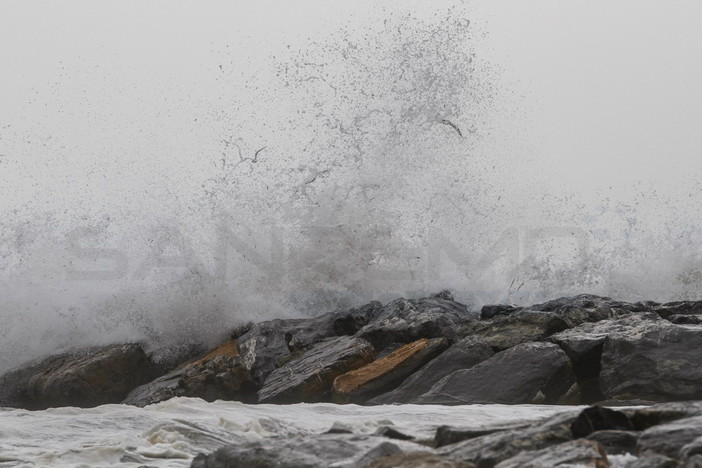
{"x":527,"y":373}
{"x":310,"y":377}
{"x":83,"y":378}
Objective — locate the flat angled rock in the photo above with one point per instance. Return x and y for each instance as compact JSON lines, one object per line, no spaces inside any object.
{"x":580,"y":453}
{"x":669,"y":439}
{"x":661,"y":363}
{"x":527,"y":373}
{"x":465,"y":354}
{"x":309,"y":378}
{"x":408,"y":320}
{"x":491,"y":449}
{"x":678,"y":308}
{"x":583,"y":308}
{"x":385,"y":373}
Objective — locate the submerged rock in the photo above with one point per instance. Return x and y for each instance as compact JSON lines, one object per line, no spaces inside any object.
{"x":385,"y":373}
{"x":309,"y":378}
{"x":83,"y":378}
{"x":527,"y":373}
{"x":465,"y":354}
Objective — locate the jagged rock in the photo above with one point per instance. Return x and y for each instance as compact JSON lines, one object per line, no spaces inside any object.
{"x":405,"y":321}
{"x":488,"y":450}
{"x":391,"y":433}
{"x":616,"y":442}
{"x":339,"y":323}
{"x":385,"y":373}
{"x":465,"y":354}
{"x":493,"y":310}
{"x":583,"y":308}
{"x":581,"y":453}
{"x":309,"y":378}
{"x":219,"y":375}
{"x":668,"y":439}
{"x":524,"y":374}
{"x":83,"y":378}
{"x":678,"y":308}
{"x":268,"y":345}
{"x":417,"y":460}
{"x":583,"y":345}
{"x":659,"y":364}
{"x":311,"y":451}
{"x":596,"y":418}
{"x":505,"y":331}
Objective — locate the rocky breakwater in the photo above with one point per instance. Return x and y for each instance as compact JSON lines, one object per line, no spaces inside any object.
{"x":578,"y":350}
{"x":433,"y":350}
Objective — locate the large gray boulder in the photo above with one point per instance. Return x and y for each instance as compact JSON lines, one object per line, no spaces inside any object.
{"x":669,"y":439}
{"x":583,"y":345}
{"x":658,"y":363}
{"x":217,"y":378}
{"x":84,"y":378}
{"x":406,"y":320}
{"x":309,"y":378}
{"x":268,"y":345}
{"x":465,"y":354}
{"x":527,"y":373}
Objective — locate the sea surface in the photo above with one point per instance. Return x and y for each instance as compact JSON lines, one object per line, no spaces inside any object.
{"x":171,"y":433}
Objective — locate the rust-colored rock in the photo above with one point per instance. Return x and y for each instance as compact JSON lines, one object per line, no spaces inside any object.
{"x":386,"y":373}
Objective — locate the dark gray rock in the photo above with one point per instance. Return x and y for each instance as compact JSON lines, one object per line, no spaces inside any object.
{"x":527,"y":373}
{"x":583,"y":345}
{"x":83,"y":378}
{"x":309,"y":378}
{"x":217,"y":378}
{"x":447,"y":435}
{"x":465,"y":354}
{"x":505,"y":331}
{"x":582,"y":453}
{"x":668,"y":439}
{"x":661,"y":363}
{"x":491,"y":449}
{"x":686,"y":319}
{"x":694,"y":461}
{"x":669,"y":309}
{"x":616,"y":442}
{"x":493,"y":310}
{"x":596,"y":418}
{"x":408,"y":320}
{"x":692,"y":449}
